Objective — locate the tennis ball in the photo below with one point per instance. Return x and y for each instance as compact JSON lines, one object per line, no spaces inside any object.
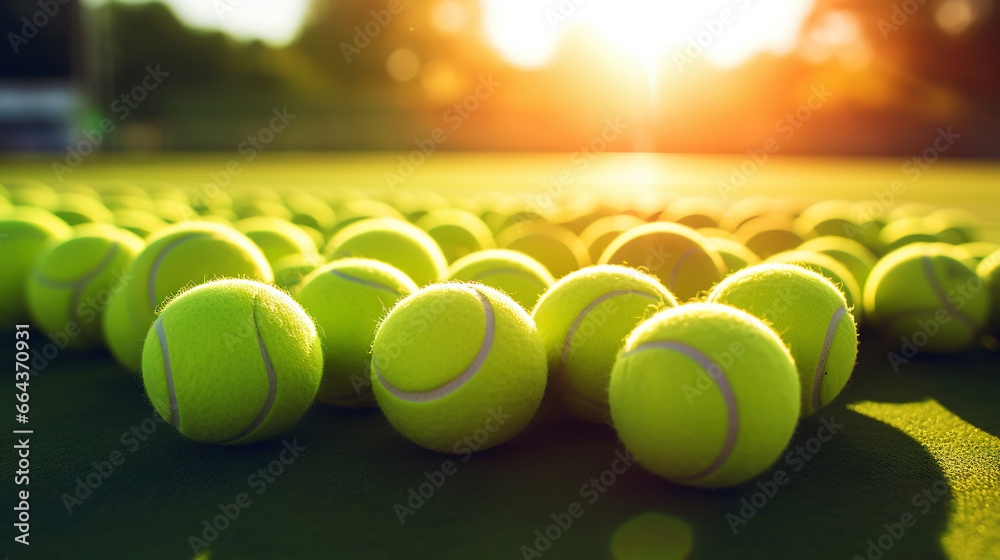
{"x":955,"y":226}
{"x":318,"y":239}
{"x":928,"y":297}
{"x":694,"y":212}
{"x":276,"y":237}
{"x":123,"y":202}
{"x":457,"y":232}
{"x":680,"y":257}
{"x":458,"y":367}
{"x":910,"y":210}
{"x":831,"y":269}
{"x":976,"y":251}
{"x":809,"y":314}
{"x":906,"y":231}
{"x":855,"y":257}
{"x":346,"y":299}
{"x":746,"y":209}
{"x":5,"y":207}
{"x":71,"y":283}
{"x":989,"y":271}
{"x":392,"y":241}
{"x":583,"y":320}
{"x":25,"y":233}
{"x":254,"y":207}
{"x":601,"y":232}
{"x":559,"y":249}
{"x":355,"y":210}
{"x":769,"y":234}
{"x":32,"y":193}
{"x":519,"y":276}
{"x":177,"y":257}
{"x":733,"y":253}
{"x":76,"y":209}
{"x":827,"y":218}
{"x":232,"y":362}
{"x":139,"y":222}
{"x":704,"y":395}
{"x":289,"y":271}
{"x":310,"y":211}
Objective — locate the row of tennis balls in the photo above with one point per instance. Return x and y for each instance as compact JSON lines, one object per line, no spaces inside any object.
{"x":78,"y":270}
{"x":448,"y":357}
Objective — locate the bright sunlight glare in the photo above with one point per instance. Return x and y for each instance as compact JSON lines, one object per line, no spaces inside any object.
{"x":277,"y":22}
{"x":527,"y":32}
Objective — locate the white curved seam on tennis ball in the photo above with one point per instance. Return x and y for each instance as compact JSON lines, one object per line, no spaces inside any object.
{"x":732,"y":420}
{"x":168,"y":374}
{"x":159,"y":260}
{"x":939,"y":292}
{"x":831,"y":330}
{"x":79,"y":284}
{"x":363,"y":282}
{"x":272,"y":384}
{"x":456,"y":383}
{"x":677,"y":267}
{"x":571,"y":334}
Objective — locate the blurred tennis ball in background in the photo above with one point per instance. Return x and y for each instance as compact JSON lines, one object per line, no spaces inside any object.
{"x":680,"y":257}
{"x":519,"y":276}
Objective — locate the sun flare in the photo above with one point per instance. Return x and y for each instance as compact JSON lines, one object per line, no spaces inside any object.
{"x":727,"y":32}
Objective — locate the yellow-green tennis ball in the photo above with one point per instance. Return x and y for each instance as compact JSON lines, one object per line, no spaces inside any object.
{"x":458,"y":367}
{"x":583,"y":320}
{"x":827,"y":218}
{"x":276,"y":237}
{"x":652,"y":536}
{"x":769,"y":234}
{"x":175,"y":258}
{"x":318,"y":239}
{"x":392,"y":241}
{"x":25,"y":233}
{"x":32,"y":193}
{"x":139,"y":222}
{"x":989,"y":271}
{"x":694,"y":212}
{"x":928,"y":298}
{"x":809,"y":314}
{"x":457,"y":232}
{"x":355,"y":210}
{"x":346,"y":299}
{"x":680,"y":257}
{"x":310,"y":211}
{"x":232,"y":362}
{"x":72,"y":283}
{"x":704,"y":395}
{"x":906,"y":231}
{"x":977,"y":251}
{"x":289,"y":271}
{"x":519,"y":276}
{"x":733,"y":253}
{"x":559,"y":249}
{"x":252,"y":207}
{"x":955,"y":226}
{"x":857,"y":258}
{"x":76,"y":209}
{"x":832,"y":270}
{"x":600,"y":233}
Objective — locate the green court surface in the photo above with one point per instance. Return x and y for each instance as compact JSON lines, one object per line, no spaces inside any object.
{"x":904,"y":464}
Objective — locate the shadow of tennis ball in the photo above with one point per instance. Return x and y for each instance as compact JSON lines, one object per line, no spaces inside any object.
{"x":652,"y":535}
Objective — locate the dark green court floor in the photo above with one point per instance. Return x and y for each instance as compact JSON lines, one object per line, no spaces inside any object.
{"x":933,"y":426}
